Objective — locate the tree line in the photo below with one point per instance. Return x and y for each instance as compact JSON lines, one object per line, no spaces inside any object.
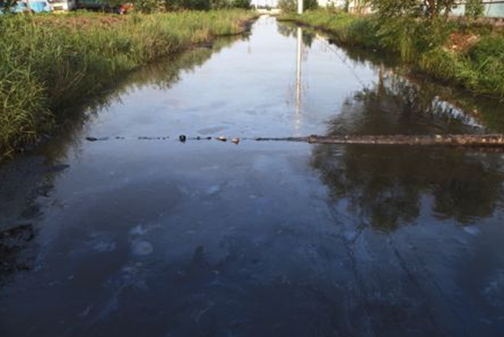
{"x":147,"y":6}
{"x":150,"y":6}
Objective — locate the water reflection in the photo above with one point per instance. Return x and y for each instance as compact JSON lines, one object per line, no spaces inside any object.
{"x":162,"y":75}
{"x":24,"y":190}
{"x":165,"y":238}
{"x":28,"y":181}
{"x":395,"y":105}
{"x":487,"y":112}
{"x":13,"y":245}
{"x":391,"y":186}
{"x":288,"y":30}
{"x":299,"y":55}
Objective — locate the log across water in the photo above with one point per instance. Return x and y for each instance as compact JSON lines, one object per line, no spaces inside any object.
{"x":483,"y":140}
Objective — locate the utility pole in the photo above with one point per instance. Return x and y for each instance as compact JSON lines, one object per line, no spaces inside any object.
{"x":298,"y":70}
{"x":299,"y":55}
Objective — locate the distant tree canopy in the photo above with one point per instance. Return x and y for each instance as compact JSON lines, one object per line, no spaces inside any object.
{"x":431,"y":9}
{"x":148,"y":6}
{"x":187,"y":4}
{"x":245,"y":4}
{"x":292,"y":5}
{"x":474,"y":8}
{"x":7,"y":5}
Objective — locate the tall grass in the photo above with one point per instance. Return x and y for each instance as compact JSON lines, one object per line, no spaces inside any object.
{"x":424,"y":46}
{"x":347,"y":29}
{"x":50,"y":62}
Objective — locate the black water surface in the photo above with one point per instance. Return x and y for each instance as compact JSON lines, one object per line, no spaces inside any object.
{"x":134,"y":236}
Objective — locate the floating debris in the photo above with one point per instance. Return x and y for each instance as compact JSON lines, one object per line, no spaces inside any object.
{"x":94,"y":139}
{"x":91,"y":139}
{"x":478,"y":141}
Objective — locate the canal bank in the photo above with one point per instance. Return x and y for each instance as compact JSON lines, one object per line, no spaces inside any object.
{"x":466,"y":54}
{"x":50,"y":64}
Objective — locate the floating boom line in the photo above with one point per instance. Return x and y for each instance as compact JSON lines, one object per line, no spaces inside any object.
{"x":475,"y":140}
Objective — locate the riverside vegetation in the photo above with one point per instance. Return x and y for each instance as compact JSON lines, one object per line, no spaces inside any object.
{"x":467,"y":53}
{"x":49,"y":63}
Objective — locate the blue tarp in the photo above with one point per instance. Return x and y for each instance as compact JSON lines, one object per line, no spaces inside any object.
{"x":40,"y":6}
{"x":36,"y":6}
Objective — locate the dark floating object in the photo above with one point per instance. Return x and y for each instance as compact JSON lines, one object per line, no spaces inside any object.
{"x":94,"y":139}
{"x":182,"y":138}
{"x":201,"y":138}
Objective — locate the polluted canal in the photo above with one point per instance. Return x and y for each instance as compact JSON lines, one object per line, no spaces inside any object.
{"x":138,"y":234}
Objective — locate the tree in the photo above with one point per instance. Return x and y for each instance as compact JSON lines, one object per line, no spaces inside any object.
{"x":412,"y":27}
{"x":474,"y":9}
{"x":146,"y":6}
{"x":221,"y":4}
{"x":413,"y":8}
{"x":360,"y":6}
{"x":290,"y":6}
{"x":8,"y":5}
{"x":241,"y":4}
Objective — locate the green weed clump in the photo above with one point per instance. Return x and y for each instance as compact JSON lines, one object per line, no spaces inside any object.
{"x":50,"y":62}
{"x":486,"y":59}
{"x":346,"y":28}
{"x":479,"y":69}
